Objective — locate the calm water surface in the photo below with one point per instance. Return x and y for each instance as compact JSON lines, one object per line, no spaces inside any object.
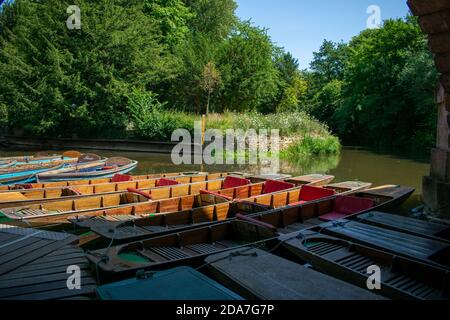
{"x":352,"y":164}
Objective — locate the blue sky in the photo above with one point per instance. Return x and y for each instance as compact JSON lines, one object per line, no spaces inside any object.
{"x":300,"y":26}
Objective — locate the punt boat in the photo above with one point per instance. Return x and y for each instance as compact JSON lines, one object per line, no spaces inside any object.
{"x":112,"y":166}
{"x":114,"y":179}
{"x":256,"y":274}
{"x":402,"y":277}
{"x":128,"y":203}
{"x":119,"y":231}
{"x":179,"y":284}
{"x":26,"y":173}
{"x":44,"y":157}
{"x":7,"y":164}
{"x":190,"y":247}
{"x":120,"y":183}
{"x":89,"y":211}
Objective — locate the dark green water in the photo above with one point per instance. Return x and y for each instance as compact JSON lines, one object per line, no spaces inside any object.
{"x":352,"y":164}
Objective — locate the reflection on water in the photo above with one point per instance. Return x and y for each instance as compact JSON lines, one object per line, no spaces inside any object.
{"x":352,"y":164}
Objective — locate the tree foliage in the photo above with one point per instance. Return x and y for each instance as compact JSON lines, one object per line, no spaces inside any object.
{"x":378,"y":90}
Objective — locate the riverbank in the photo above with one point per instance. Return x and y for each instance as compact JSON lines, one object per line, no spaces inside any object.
{"x":299,"y":134}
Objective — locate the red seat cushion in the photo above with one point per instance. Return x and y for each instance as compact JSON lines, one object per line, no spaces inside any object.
{"x":163,"y":182}
{"x":121,"y":178}
{"x":345,"y":206}
{"x":23,"y":186}
{"x":309,"y":193}
{"x":212,"y":193}
{"x":234,"y":182}
{"x":139,"y":192}
{"x":108,"y":167}
{"x":271,"y":186}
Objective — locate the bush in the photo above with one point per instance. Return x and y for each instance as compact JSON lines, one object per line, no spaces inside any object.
{"x":313,"y":146}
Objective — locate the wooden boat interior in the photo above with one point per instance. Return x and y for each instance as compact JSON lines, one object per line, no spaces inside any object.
{"x":258,"y":275}
{"x":404,"y":224}
{"x":21,"y":197}
{"x":298,"y":216}
{"x":401,"y":277}
{"x":180,"y":177}
{"x":416,"y":247}
{"x":179,"y":248}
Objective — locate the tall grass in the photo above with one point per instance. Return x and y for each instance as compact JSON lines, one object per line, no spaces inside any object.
{"x":305,"y":135}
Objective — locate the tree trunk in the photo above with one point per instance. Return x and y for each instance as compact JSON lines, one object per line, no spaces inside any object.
{"x":207,"y":105}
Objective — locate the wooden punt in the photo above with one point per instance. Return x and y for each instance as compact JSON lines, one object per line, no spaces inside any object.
{"x":119,"y":232}
{"x":401,"y":278}
{"x":191,"y":246}
{"x":179,"y":284}
{"x":58,"y":212}
{"x":258,"y":275}
{"x":293,"y":196}
{"x":26,"y":173}
{"x":34,"y":264}
{"x":26,"y":197}
{"x":7,"y":164}
{"x":187,"y":248}
{"x":112,"y":166}
{"x":94,"y":210}
{"x":428,"y":251}
{"x":404,"y":224}
{"x":196,"y":177}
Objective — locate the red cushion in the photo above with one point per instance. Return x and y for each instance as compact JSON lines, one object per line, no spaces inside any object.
{"x":212,"y":193}
{"x":271,"y":186}
{"x":309,"y":193}
{"x":345,"y":206}
{"x":121,"y":178}
{"x":234,"y":182}
{"x":352,"y":205}
{"x":136,"y":191}
{"x":163,"y":182}
{"x":109,"y":167}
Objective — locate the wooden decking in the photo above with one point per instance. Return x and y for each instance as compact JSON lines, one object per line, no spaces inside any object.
{"x":34,"y":264}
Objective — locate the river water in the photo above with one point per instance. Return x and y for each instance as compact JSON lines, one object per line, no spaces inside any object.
{"x":352,"y":164}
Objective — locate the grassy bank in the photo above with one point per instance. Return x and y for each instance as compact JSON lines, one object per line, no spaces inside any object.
{"x":300,"y":134}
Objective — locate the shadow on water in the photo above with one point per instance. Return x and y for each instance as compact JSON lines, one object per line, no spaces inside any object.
{"x":351,"y":164}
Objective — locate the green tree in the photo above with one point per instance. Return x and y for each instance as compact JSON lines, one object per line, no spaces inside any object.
{"x":293,"y":94}
{"x":173,"y":18}
{"x":248,"y":70}
{"x":389,"y":87}
{"x":59,"y":81}
{"x":210,"y":80}
{"x":213,"y":18}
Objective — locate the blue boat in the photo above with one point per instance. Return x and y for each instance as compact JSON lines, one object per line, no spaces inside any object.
{"x":179,"y":284}
{"x":93,"y":170}
{"x":25,"y":173}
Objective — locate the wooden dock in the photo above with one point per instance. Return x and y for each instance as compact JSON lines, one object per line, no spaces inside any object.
{"x":34,"y":265}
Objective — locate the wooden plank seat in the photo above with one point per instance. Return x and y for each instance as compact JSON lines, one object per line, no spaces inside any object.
{"x":256,"y":274}
{"x":427,"y":250}
{"x":406,"y":224}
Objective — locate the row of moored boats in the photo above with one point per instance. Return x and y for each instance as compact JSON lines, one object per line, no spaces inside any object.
{"x":198,"y":236}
